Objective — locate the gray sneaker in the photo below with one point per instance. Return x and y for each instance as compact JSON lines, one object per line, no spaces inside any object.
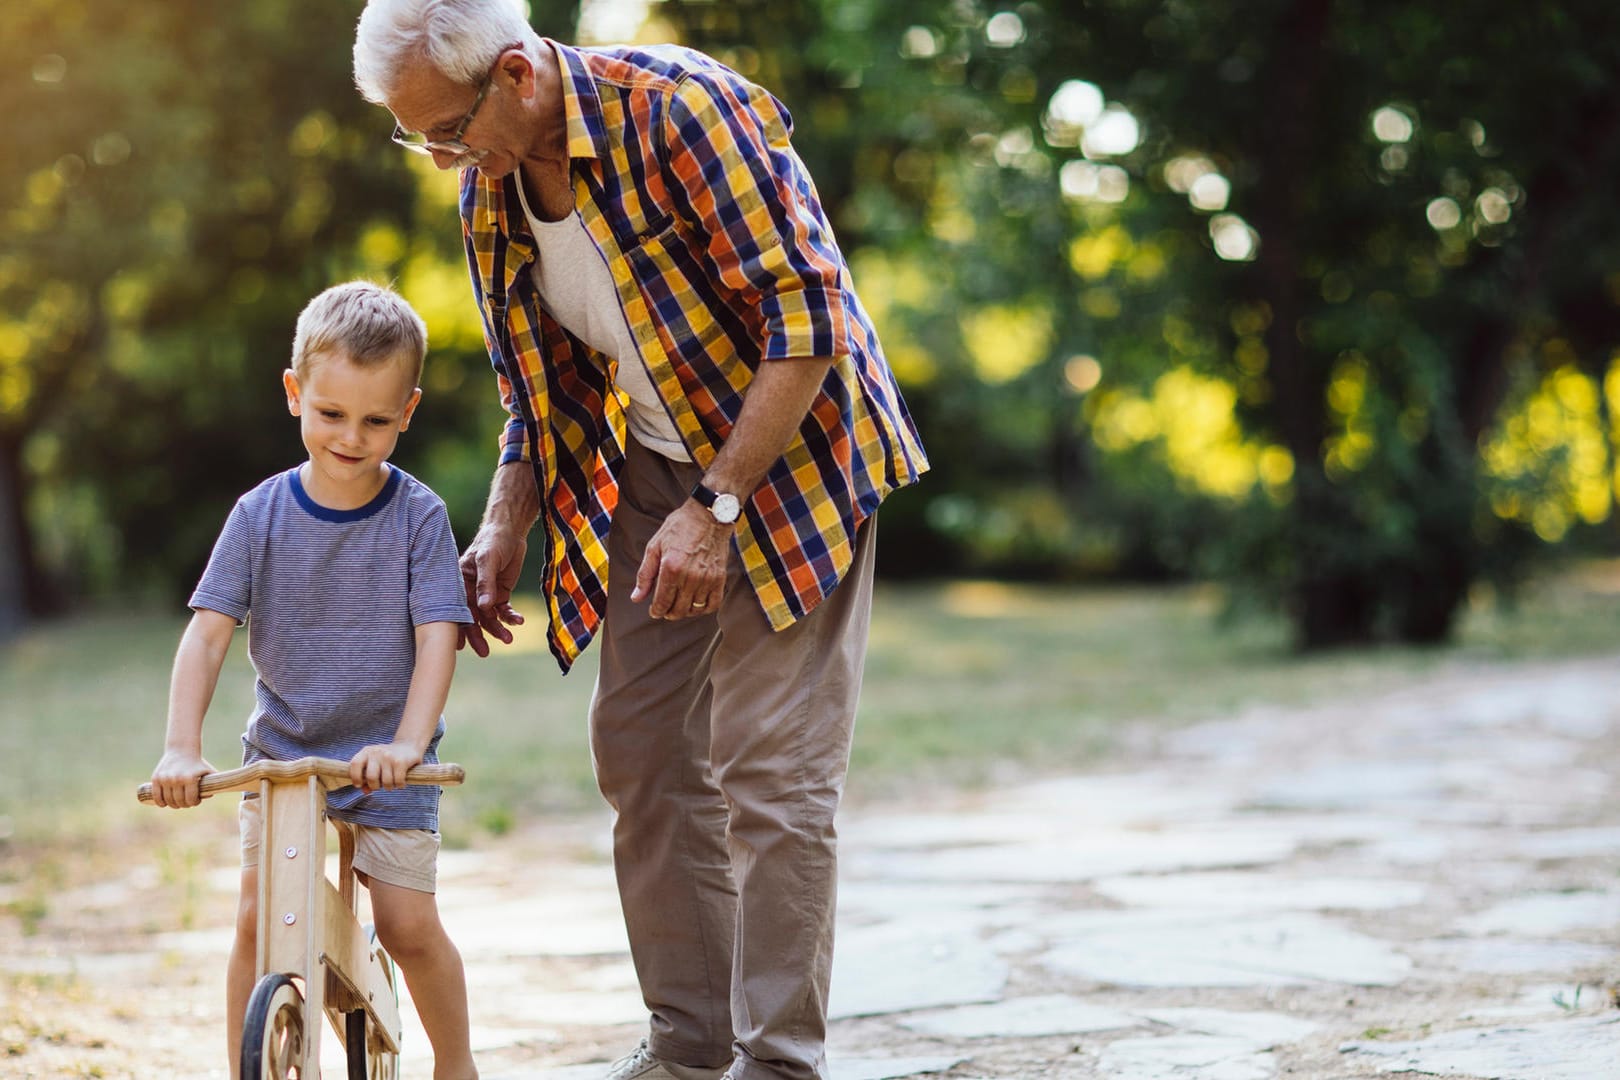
{"x":640,"y":1064}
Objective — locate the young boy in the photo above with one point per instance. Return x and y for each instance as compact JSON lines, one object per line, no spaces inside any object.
{"x":344,"y":569}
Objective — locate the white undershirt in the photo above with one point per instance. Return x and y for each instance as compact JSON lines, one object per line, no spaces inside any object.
{"x":577,"y":289}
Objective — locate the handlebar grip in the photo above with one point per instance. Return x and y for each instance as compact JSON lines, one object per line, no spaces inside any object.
{"x":335,"y":773}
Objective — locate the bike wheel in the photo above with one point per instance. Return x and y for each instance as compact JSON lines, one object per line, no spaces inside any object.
{"x":368,"y":1058}
{"x":273,"y":1032}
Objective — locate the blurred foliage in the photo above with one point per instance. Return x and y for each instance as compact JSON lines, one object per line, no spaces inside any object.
{"x":1320,"y":297}
{"x":182,"y":178}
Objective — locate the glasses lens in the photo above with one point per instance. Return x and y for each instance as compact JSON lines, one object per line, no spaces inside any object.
{"x":413,"y":140}
{"x":417,"y":142}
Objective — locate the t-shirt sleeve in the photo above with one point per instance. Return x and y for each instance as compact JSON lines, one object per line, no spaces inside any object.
{"x":437,"y":594}
{"x":227,"y":583}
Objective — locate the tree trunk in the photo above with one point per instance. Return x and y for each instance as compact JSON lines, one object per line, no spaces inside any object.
{"x":18,"y":577}
{"x":1329,"y":605}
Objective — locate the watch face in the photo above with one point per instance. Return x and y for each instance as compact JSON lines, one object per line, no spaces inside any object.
{"x":726,"y":508}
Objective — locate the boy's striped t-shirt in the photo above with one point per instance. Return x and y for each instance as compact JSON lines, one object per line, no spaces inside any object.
{"x":332,"y":599}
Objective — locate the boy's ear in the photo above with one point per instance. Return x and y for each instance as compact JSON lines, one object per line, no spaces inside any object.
{"x":289,"y":381}
{"x":410,"y":407}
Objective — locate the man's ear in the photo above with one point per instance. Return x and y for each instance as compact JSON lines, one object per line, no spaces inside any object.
{"x":516,"y":68}
{"x":289,"y":382}
{"x":410,"y":407}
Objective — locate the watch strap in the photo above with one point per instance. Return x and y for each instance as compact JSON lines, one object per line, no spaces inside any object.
{"x":704,"y":494}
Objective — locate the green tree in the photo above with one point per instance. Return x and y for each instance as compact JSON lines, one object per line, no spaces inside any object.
{"x":1427,"y":223}
{"x":1364,"y":224}
{"x":182,"y":178}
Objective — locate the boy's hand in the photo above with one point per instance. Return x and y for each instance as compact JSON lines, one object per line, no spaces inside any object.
{"x":383,"y":766}
{"x":176,"y":780}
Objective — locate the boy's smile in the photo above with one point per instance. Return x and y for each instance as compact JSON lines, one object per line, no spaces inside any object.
{"x":350,"y":418}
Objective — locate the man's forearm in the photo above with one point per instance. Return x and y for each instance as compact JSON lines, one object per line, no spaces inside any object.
{"x":513,"y":501}
{"x":776,"y":404}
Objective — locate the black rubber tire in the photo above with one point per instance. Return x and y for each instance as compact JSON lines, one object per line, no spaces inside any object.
{"x":274,"y":996}
{"x":354,"y":1042}
{"x":355,"y":1025}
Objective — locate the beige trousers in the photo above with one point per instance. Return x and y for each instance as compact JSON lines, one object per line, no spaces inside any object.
{"x":722,"y":748}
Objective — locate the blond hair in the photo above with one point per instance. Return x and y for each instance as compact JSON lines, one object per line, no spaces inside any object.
{"x":369,"y":324}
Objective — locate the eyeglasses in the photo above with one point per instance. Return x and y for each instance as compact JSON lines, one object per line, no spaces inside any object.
{"x":419,"y":143}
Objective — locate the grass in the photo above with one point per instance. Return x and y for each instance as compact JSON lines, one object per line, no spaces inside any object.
{"x":966,"y":683}
{"x":969,"y":681}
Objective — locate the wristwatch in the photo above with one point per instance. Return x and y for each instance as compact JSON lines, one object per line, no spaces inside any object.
{"x":722,"y":504}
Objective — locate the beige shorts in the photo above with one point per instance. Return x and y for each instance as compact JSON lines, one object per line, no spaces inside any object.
{"x":408,"y":858}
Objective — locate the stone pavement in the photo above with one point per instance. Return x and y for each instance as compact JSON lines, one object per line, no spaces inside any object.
{"x":1419,"y":883}
{"x":1422,"y":883}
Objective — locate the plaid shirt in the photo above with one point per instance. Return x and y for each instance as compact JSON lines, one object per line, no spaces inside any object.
{"x":723,"y":258}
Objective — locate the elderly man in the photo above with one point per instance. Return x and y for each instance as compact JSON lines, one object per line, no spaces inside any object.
{"x":698,"y":401}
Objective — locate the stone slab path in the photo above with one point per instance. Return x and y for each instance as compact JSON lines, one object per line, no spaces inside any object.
{"x":1421,"y":883}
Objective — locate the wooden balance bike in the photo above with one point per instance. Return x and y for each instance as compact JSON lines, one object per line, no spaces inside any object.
{"x":313,"y":956}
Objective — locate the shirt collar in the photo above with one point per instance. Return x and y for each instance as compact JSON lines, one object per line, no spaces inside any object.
{"x":581,"y":107}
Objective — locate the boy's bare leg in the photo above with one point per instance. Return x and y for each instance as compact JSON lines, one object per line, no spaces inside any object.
{"x":408,"y":927}
{"x":239,"y":973}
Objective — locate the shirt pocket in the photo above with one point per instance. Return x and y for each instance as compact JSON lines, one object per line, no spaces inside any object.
{"x":694,"y":319}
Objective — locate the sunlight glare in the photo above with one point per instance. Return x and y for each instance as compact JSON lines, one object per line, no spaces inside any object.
{"x":1085,"y":181}
{"x":1116,"y":132}
{"x":1443,"y":213}
{"x":919,"y":43}
{"x":1392,"y":125}
{"x":1082,"y":373}
{"x":606,"y":21}
{"x":1183,"y":171}
{"x":1493,"y":206}
{"x":1013,"y":146}
{"x":1210,"y":192}
{"x":1076,"y":104}
{"x":1235,"y":239}
{"x":1004,"y":30}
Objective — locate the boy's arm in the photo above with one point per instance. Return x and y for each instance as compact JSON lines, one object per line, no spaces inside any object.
{"x":196,"y":672}
{"x":385,"y":766}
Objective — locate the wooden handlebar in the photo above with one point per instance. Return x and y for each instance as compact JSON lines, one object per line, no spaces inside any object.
{"x":333,"y":774}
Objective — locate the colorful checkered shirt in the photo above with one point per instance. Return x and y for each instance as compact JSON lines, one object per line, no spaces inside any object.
{"x":723,"y":258}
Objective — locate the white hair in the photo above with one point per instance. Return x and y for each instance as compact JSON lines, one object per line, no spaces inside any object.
{"x":461,"y":38}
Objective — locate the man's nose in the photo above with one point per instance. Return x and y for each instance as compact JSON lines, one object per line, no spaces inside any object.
{"x":443,"y":160}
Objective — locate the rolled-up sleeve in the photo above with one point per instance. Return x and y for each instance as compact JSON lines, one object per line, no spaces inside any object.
{"x":746,"y":192}
{"x":514,"y":437}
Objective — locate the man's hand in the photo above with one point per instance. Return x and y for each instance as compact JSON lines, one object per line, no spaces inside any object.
{"x":383,"y":766}
{"x":684,"y":569}
{"x":492,"y":563}
{"x":177,"y":779}
{"x":490,"y":569}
